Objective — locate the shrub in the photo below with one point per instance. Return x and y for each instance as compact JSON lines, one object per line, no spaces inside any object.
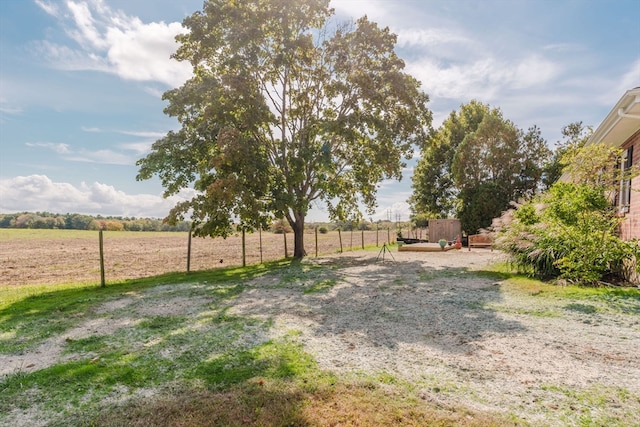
{"x":569,"y":234}
{"x":281,"y":226}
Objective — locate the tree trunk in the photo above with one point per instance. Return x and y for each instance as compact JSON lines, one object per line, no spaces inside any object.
{"x":298,"y":236}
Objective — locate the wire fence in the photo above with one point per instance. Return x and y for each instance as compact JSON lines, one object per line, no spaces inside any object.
{"x":65,"y":256}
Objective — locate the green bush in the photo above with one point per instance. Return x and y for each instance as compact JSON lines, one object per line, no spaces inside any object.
{"x":569,"y":234}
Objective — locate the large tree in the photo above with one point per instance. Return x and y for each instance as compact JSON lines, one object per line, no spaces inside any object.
{"x":495,"y":165}
{"x":475,"y":165}
{"x":284,"y":109}
{"x":434,"y":190}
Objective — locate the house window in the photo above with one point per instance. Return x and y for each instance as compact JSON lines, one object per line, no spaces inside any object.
{"x":624,"y":196}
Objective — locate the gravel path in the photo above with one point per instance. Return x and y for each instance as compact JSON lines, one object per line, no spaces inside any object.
{"x":460,"y":338}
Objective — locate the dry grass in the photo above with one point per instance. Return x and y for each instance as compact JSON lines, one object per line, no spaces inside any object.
{"x":272,"y":403}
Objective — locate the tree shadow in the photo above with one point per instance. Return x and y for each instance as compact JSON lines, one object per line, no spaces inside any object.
{"x":394,"y":303}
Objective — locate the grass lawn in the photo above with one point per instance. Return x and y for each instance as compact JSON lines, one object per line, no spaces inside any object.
{"x":166,"y":351}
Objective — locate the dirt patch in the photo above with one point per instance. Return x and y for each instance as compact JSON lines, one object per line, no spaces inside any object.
{"x":50,"y":351}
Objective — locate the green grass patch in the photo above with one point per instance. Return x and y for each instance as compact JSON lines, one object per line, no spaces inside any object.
{"x":588,"y":300}
{"x":526,"y":311}
{"x":321,"y":286}
{"x":594,"y":404}
{"x":31,"y":314}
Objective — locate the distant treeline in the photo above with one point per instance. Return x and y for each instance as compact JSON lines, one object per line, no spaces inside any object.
{"x":86,"y":222}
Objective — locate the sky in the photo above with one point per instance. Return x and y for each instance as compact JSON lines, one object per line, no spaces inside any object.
{"x":81,"y":84}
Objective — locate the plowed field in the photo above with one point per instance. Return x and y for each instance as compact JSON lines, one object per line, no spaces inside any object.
{"x":62,"y":256}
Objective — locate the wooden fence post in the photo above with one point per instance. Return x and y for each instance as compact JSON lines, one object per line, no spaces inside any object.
{"x":377,"y":228}
{"x":388,"y":237}
{"x":286,"y":252}
{"x":316,"y":242}
{"x":244,"y":249}
{"x":340,"y":237}
{"x":102,"y":281}
{"x":362,"y":234}
{"x":260,"y":231}
{"x":189,"y":253}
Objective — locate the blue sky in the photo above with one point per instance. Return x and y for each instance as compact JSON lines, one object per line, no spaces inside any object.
{"x":81,"y":81}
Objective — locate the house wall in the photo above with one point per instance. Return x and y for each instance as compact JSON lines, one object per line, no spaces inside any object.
{"x":630,"y":228}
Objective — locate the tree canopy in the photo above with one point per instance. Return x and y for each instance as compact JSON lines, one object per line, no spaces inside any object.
{"x":285,"y":108}
{"x":476,"y":164}
{"x":434,"y":190}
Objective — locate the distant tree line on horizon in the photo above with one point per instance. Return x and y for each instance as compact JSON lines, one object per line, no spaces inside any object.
{"x":74,"y":221}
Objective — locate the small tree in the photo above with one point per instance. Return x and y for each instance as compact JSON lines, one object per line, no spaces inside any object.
{"x":574,"y":136}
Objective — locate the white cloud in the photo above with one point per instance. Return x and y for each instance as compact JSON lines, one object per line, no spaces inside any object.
{"x":110,"y":41}
{"x":138,"y":147}
{"x":50,"y":8}
{"x":154,"y":91}
{"x":10,"y":110}
{"x":564,"y":47}
{"x":427,"y":37}
{"x":40,"y":193}
{"x":630,"y":79}
{"x":483,"y":79}
{"x":375,"y":10}
{"x":143,"y":134}
{"x":109,"y":157}
{"x":83,"y":155}
{"x":85,"y":32}
{"x":59,"y":148}
{"x":66,"y":58}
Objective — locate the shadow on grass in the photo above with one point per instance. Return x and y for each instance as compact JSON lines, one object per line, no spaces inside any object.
{"x":403,"y":303}
{"x":277,"y":384}
{"x":287,"y":404}
{"x":220,"y":381}
{"x":30,"y":320}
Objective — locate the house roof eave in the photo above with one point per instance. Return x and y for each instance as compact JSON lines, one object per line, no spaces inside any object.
{"x":621,"y":123}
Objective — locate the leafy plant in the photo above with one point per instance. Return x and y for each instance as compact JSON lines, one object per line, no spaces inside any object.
{"x":568,"y":233}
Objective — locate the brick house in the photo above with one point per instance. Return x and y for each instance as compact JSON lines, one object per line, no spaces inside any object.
{"x":621,"y":129}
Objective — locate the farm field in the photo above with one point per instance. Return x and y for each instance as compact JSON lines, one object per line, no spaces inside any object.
{"x":29,"y":256}
{"x":421,"y":339}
